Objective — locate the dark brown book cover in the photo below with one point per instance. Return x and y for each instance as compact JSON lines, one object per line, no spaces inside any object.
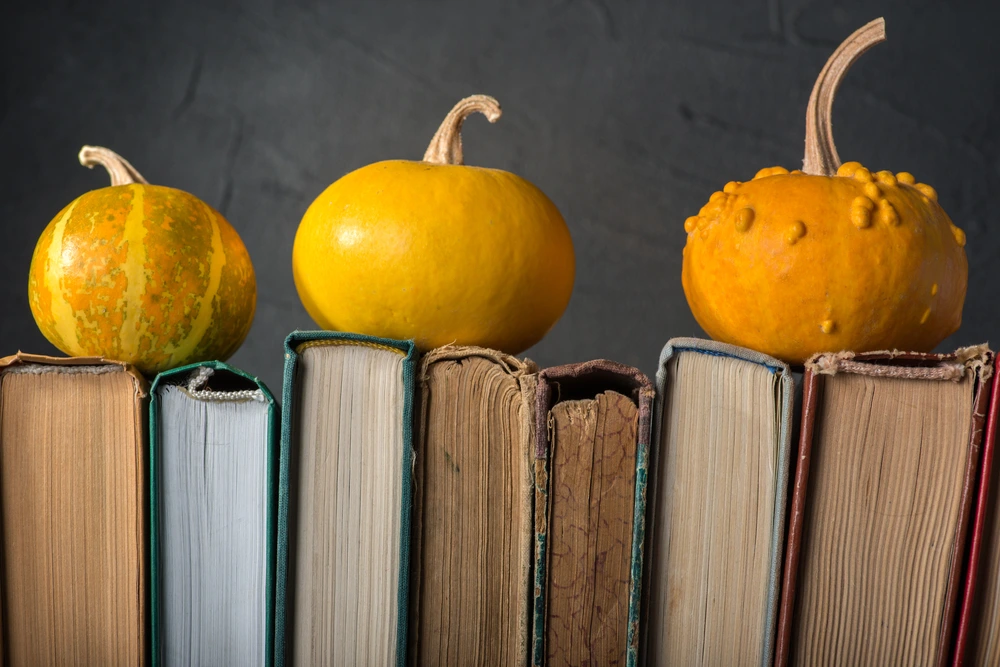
{"x":623,"y":398}
{"x":972,"y":364}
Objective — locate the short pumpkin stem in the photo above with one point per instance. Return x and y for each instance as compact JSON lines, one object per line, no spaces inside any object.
{"x":821,"y":153}
{"x":121,"y":172}
{"x":446,"y":146}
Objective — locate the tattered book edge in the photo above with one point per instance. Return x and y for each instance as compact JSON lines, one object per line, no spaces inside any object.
{"x":22,"y":359}
{"x":953,"y":366}
{"x":514,"y":366}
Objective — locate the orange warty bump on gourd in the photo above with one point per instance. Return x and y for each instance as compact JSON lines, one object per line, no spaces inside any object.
{"x":141,"y":273}
{"x":833,"y":257}
{"x":436,"y":251}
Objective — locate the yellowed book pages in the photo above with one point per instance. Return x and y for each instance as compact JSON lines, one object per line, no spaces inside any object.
{"x":347,"y":490}
{"x":72,"y":488}
{"x":591,"y":503}
{"x":472,"y":518}
{"x":889,"y":459}
{"x":716,"y":487}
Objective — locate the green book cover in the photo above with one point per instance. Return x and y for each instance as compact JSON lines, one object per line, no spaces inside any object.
{"x":297,"y":344}
{"x":227,"y":384}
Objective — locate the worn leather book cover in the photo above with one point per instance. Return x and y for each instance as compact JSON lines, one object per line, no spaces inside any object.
{"x":592,"y":435}
{"x":978,"y":635}
{"x":73,"y":507}
{"x":214,"y":382}
{"x":472,"y":519}
{"x":889,"y":455}
{"x":346,"y":433}
{"x":722,"y":412}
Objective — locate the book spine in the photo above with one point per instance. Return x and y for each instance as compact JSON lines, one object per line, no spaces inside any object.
{"x":406,"y":509}
{"x":154,"y":524}
{"x":646,"y":402}
{"x":952,"y":602}
{"x":543,"y":399}
{"x":284,"y":467}
{"x":810,"y":401}
{"x":273,"y":434}
{"x":788,"y":426}
{"x":965,"y":619}
{"x":541,"y":560}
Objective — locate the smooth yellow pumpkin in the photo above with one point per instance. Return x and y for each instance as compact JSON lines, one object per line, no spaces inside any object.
{"x":436,"y":251}
{"x":827,"y":258}
{"x":141,"y":273}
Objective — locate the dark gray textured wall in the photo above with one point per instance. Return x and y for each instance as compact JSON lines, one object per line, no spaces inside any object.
{"x":628,"y":115}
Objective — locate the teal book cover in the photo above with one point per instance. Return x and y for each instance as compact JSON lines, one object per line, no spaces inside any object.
{"x":215,"y":383}
{"x":586,"y":381}
{"x":294,"y":494}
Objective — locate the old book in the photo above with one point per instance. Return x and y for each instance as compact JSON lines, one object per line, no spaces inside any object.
{"x":472,"y":510}
{"x":716,"y":528}
{"x":978,"y":634}
{"x":72,"y":511}
{"x":344,"y":500}
{"x":213,"y":507}
{"x":592,"y":427}
{"x":886,"y":470}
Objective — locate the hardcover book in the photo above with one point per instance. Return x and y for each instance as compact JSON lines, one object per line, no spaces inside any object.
{"x":72,"y":508}
{"x":717,"y":517}
{"x":213,"y":510}
{"x":471,"y":595}
{"x":592,"y":428}
{"x":344,"y":500}
{"x":887,"y":467}
{"x":978,"y":634}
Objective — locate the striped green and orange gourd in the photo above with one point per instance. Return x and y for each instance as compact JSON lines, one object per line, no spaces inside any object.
{"x":141,"y":273}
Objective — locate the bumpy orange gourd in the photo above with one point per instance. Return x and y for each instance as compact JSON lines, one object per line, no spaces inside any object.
{"x":832,"y":257}
{"x":141,"y":273}
{"x":436,"y":251}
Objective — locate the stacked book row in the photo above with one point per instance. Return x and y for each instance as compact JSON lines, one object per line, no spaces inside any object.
{"x":466,"y":507}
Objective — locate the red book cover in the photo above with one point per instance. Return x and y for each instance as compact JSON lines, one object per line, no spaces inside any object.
{"x":969,"y":619}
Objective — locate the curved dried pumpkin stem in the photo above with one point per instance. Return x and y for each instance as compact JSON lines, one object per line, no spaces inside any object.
{"x":821,"y":154}
{"x":446,"y":146}
{"x":121,"y":172}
